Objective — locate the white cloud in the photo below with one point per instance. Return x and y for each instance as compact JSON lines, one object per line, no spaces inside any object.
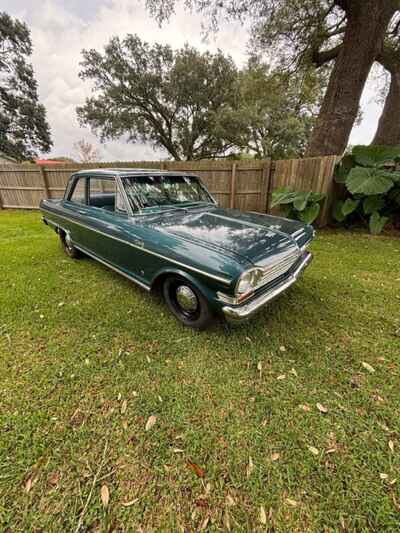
{"x":60,"y":31}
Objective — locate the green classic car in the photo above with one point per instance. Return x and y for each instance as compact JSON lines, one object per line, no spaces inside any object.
{"x":164,"y":231}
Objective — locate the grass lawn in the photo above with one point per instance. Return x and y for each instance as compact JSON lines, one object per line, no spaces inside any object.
{"x":290,"y":422}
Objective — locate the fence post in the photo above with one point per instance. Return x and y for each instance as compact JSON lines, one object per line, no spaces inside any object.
{"x":233,"y":185}
{"x":45,"y":183}
{"x":265,"y":186}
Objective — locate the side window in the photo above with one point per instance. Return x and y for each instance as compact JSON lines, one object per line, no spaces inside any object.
{"x":104,"y":194}
{"x":78,"y":195}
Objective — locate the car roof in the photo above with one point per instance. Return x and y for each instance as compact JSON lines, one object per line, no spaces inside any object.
{"x":127,"y":171}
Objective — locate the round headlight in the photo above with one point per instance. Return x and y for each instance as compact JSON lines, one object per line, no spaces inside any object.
{"x":248,"y":281}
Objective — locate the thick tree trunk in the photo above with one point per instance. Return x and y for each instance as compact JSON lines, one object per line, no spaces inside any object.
{"x":388,"y":131}
{"x":367,"y":21}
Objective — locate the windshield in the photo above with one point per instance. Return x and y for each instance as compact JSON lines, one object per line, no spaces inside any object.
{"x":164,"y":190}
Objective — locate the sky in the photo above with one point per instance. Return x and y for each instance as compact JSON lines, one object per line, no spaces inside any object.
{"x":61,"y":29}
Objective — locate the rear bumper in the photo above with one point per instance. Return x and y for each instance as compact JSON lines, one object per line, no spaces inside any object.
{"x":245,"y":311}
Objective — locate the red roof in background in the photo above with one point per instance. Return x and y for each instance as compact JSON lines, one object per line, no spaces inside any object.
{"x":48,"y":162}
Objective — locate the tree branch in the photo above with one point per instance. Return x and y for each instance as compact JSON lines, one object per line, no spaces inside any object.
{"x":320,"y":58}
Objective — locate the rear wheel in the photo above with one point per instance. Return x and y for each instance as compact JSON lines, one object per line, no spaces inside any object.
{"x":187,"y":303}
{"x":68,"y":247}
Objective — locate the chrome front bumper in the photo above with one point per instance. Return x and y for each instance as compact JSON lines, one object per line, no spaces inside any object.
{"x":245,"y":311}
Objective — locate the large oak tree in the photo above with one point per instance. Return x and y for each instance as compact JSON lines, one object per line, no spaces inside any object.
{"x":23,"y":127}
{"x":349,"y":32}
{"x":177,"y":100}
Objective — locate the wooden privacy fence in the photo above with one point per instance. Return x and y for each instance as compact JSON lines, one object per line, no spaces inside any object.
{"x":246,"y":184}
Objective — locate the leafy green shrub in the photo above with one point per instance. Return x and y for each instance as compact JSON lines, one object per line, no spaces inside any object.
{"x":299,"y":205}
{"x":372,"y":186}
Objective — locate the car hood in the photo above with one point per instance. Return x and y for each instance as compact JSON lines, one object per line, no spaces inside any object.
{"x":253,"y":236}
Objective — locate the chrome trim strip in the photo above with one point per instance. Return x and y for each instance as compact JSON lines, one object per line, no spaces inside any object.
{"x":194,"y":269}
{"x":243,"y":312}
{"x":122,"y":191}
{"x":105,"y":263}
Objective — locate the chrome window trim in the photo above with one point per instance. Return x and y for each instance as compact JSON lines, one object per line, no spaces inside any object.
{"x":194,"y":269}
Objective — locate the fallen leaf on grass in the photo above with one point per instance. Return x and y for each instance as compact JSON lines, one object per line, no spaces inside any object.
{"x":125,"y":424}
{"x":28,"y":484}
{"x":230,"y":501}
{"x":249,"y":468}
{"x":305,"y":408}
{"x":205,"y":523}
{"x":293,"y":371}
{"x":263,"y":516}
{"x":282,"y":348}
{"x":178,"y":450}
{"x":195,"y":468}
{"x":313,"y":450}
{"x":131,"y":502}
{"x":291,"y":502}
{"x":321,"y":408}
{"x":104,"y":495}
{"x":383,"y":476}
{"x":150,"y":422}
{"x":124,"y":407}
{"x":282,"y":376}
{"x":368,"y":367}
{"x":331,"y":450}
{"x":391,"y":446}
{"x":54,"y":478}
{"x":275,"y":456}
{"x":227,"y":521}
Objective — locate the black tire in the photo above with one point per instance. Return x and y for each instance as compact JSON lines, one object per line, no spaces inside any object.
{"x":69,"y":248}
{"x":199,"y":318}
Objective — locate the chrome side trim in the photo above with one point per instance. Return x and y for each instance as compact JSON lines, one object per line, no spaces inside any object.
{"x":243,"y":312}
{"x":105,"y":263}
{"x":194,"y":269}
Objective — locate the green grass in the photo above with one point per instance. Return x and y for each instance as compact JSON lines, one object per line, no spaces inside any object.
{"x":79,"y":344}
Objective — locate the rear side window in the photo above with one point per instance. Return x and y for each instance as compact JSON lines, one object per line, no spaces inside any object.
{"x":78,"y":195}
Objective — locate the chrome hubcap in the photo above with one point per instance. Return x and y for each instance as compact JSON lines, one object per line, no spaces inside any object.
{"x":186,"y":298}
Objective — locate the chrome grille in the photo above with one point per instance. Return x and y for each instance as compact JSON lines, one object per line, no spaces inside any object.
{"x":281,"y":267}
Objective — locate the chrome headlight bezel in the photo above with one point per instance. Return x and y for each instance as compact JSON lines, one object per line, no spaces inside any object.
{"x":247,"y":282}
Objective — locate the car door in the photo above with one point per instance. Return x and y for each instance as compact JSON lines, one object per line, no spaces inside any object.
{"x":115,"y":237}
{"x":75,"y":205}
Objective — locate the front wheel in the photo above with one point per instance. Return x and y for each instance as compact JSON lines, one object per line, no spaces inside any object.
{"x":187,"y":303}
{"x":68,"y":247}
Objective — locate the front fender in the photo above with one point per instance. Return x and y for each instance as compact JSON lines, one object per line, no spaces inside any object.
{"x":207,"y":291}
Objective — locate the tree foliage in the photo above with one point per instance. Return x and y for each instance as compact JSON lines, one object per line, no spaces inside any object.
{"x":180,"y":101}
{"x":277,"y":109}
{"x":196,"y":105}
{"x":23,"y":127}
